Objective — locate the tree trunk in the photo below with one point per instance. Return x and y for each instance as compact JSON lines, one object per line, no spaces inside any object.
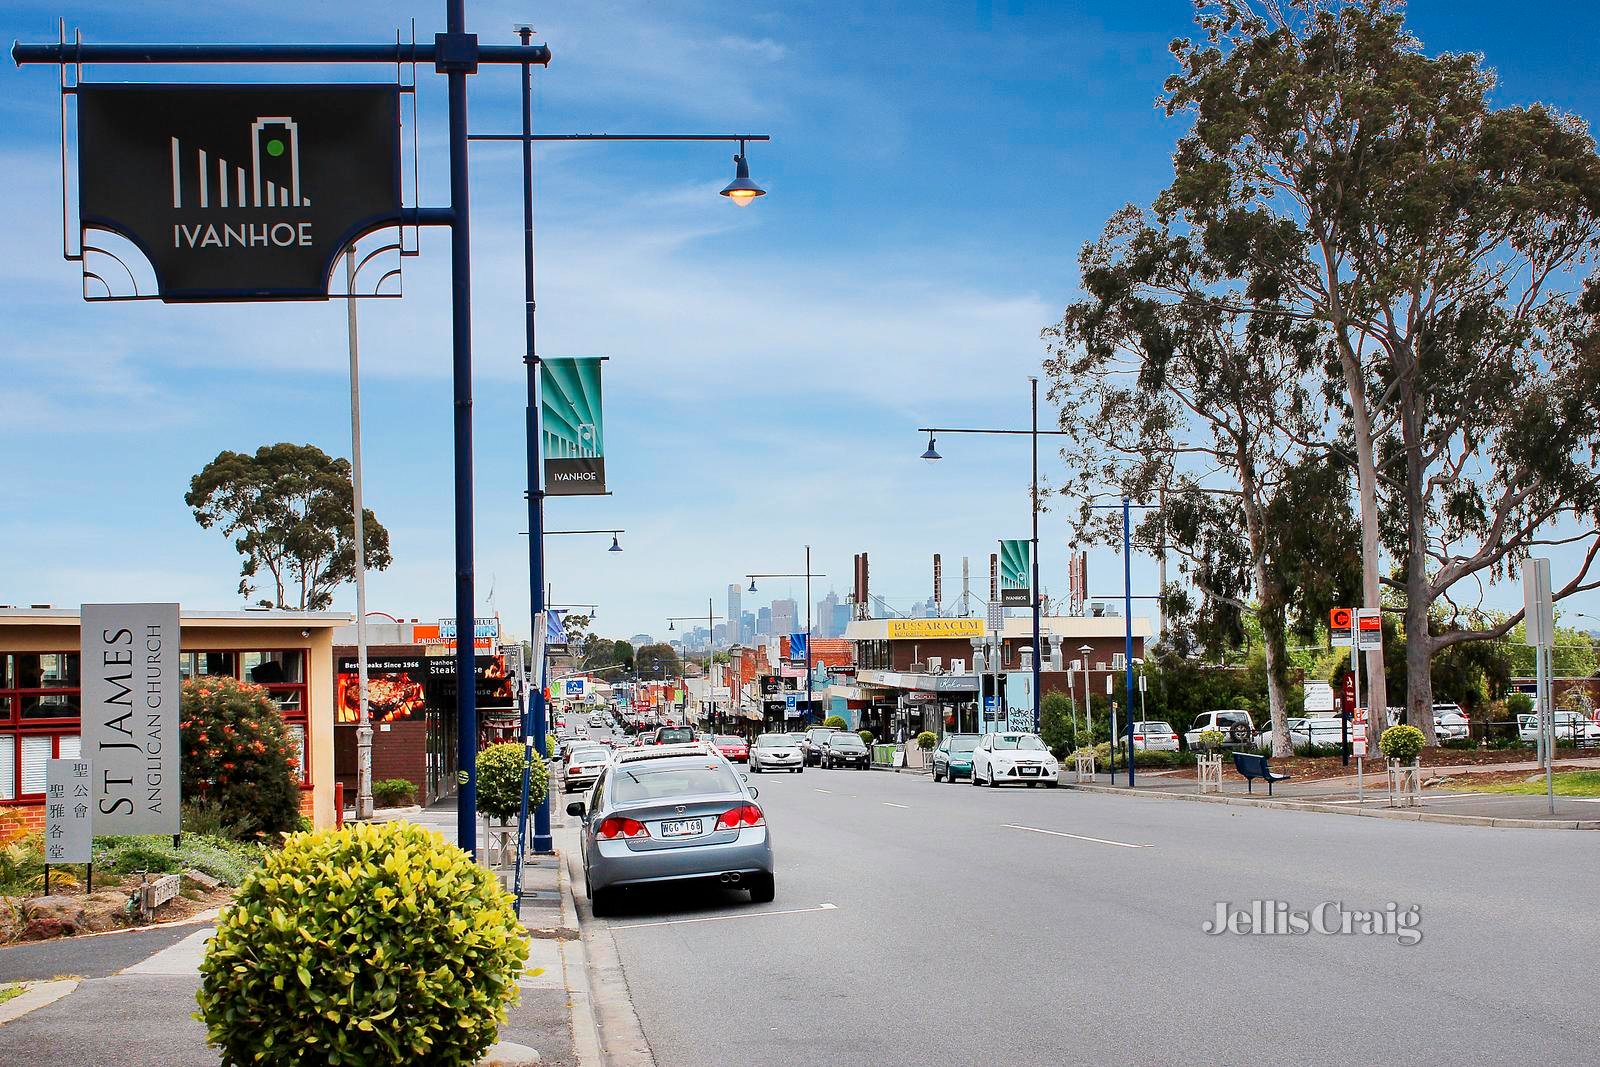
{"x":1419,"y":644}
{"x":1277,"y":653}
{"x":1371,"y":587}
{"x":1269,"y":596}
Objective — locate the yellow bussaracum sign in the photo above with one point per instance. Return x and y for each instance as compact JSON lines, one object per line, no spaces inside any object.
{"x":902,"y":629}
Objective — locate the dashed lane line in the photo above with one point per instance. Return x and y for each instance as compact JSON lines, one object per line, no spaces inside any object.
{"x":1075,"y":837}
{"x":892,"y":804}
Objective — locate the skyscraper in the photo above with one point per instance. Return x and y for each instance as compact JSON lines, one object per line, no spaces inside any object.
{"x":735,"y":614}
{"x":747,"y":628}
{"x":784,"y":617}
{"x":764,"y":622}
{"x":827,"y":608}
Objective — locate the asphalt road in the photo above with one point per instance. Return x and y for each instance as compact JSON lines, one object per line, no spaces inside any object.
{"x":919,"y":923}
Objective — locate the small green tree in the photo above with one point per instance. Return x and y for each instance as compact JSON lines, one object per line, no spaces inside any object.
{"x":834,"y":722}
{"x":927,"y":740}
{"x":500,"y":781}
{"x":1056,"y":726}
{"x":237,"y":756}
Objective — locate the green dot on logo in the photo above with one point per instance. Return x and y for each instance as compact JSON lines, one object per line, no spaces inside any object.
{"x":274,"y":147}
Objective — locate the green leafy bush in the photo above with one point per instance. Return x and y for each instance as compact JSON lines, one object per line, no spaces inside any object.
{"x":1145,"y":758}
{"x":394,"y":792}
{"x":866,"y":737}
{"x":500,"y":781}
{"x":375,"y":944}
{"x":238,"y":756}
{"x":1403,"y":743}
{"x":835,"y":722}
{"x":927,"y":740}
{"x":1458,"y":742}
{"x":226,"y":860}
{"x":1518,"y":704}
{"x":1211,"y":740}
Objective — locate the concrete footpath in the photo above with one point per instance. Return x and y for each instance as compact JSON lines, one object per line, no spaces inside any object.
{"x":134,"y":1008}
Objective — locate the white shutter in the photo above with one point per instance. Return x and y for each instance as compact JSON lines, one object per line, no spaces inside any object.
{"x":297,"y":734}
{"x":8,"y":767}
{"x":71,"y":747}
{"x":35,"y":752}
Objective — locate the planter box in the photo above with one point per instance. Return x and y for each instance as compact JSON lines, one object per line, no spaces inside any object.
{"x":1209,"y":770}
{"x":1083,"y":767}
{"x":498,"y":846}
{"x":1405,"y":784}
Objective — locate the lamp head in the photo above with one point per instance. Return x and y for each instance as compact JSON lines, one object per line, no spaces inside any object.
{"x":932,"y":453}
{"x":742,"y":191}
{"x":614,"y":546}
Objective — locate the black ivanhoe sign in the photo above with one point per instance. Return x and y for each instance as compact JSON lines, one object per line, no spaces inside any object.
{"x":239,"y":192}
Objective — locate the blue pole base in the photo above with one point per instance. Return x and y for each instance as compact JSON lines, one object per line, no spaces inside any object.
{"x":543,"y":845}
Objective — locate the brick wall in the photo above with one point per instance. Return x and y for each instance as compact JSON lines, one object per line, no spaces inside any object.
{"x":399,"y":752}
{"x":19,"y":820}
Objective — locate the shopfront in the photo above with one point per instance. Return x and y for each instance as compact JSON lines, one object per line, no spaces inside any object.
{"x":289,"y":654}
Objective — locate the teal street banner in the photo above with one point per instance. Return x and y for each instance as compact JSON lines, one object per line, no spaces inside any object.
{"x":1016,"y":573}
{"x":572,"y":439}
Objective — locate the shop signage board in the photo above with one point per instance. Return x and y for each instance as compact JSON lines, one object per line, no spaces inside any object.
{"x":130,"y":684}
{"x":572,"y":426}
{"x":1369,"y":629}
{"x":1016,"y":573}
{"x":239,"y":192}
{"x":926,"y":629}
{"x":68,"y":811}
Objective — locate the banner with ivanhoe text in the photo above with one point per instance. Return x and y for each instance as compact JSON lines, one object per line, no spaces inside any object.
{"x":573,"y":431}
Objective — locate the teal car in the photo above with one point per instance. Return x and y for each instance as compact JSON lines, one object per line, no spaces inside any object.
{"x":953,"y":758}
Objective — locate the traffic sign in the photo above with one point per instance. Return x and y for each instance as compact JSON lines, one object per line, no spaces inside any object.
{"x":1370,"y":630}
{"x":1339,"y":618}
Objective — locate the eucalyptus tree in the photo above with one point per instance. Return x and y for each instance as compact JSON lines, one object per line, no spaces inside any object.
{"x":1443,"y":247}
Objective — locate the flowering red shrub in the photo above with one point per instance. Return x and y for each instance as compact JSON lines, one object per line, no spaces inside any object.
{"x":238,"y":756}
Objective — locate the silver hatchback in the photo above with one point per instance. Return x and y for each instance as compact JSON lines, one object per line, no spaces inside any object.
{"x":672,"y":813}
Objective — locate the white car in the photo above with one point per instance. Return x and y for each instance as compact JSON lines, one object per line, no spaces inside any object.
{"x":1237,"y":729}
{"x":1012,"y":757}
{"x":583,"y":764}
{"x":1449,"y":721}
{"x":1570,"y":726}
{"x":776,"y":752}
{"x":1154,"y":737}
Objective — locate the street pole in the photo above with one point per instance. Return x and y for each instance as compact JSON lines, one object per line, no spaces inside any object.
{"x":1127,"y":615}
{"x":543,"y":841}
{"x":364,"y":718}
{"x":1033,"y":385}
{"x":809,"y":708}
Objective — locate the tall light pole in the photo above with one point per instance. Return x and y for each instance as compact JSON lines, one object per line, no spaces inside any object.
{"x":711,"y":646}
{"x":807,"y":575}
{"x":1033,"y":433}
{"x":364,"y":716}
{"x":1088,"y":695}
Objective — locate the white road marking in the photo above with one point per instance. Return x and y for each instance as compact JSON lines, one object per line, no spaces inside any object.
{"x":1075,"y":837}
{"x":733,"y":915}
{"x":892,"y":804}
{"x":814,"y":789}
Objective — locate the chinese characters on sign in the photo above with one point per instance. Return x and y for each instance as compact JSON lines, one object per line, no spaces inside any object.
{"x":68,"y":811}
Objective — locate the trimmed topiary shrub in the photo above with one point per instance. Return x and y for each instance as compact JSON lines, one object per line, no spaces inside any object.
{"x":927,"y":740}
{"x":376,"y":944}
{"x":866,"y":737}
{"x":835,"y":722}
{"x":238,"y":757}
{"x":1403,"y":743}
{"x":394,"y":793}
{"x":500,"y":781}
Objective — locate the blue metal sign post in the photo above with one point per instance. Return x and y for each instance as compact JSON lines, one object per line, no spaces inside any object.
{"x":456,"y":54}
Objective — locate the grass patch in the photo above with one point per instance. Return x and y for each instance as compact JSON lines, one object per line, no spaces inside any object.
{"x":1567,"y":784}
{"x":10,"y":990}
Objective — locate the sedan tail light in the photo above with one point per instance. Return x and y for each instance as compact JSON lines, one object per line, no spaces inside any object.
{"x":1138,"y":737}
{"x":616,"y":826}
{"x":743,"y":815}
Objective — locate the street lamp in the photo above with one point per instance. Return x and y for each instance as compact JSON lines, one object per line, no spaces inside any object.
{"x":1088,"y":697}
{"x":1034,"y":432}
{"x":742,"y":191}
{"x":711,"y":645}
{"x":615,"y":547}
{"x":808,"y":575}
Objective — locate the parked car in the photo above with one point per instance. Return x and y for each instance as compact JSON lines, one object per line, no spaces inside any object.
{"x":1449,"y":721}
{"x":1237,"y":729}
{"x":776,"y":752}
{"x":953,"y":758}
{"x":1014,"y":757}
{"x":843,"y":748}
{"x":1325,"y":731}
{"x":811,"y":747}
{"x":733,"y":749}
{"x":597,"y":721}
{"x":672,"y":735}
{"x":1154,"y":737}
{"x":672,"y":813}
{"x":1569,"y":726}
{"x":582,"y":765}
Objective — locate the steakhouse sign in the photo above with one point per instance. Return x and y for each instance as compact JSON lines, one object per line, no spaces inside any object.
{"x":239,"y":192}
{"x":130,"y":681}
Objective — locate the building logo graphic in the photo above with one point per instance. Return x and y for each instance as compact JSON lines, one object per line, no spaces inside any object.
{"x":239,"y":192}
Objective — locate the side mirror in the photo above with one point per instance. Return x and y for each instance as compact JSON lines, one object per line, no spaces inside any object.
{"x":575,"y":808}
{"x":755,"y":794}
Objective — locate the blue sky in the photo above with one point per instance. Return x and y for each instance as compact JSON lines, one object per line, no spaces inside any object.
{"x":934,"y":169}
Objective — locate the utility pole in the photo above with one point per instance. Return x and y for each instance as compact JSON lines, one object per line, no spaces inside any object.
{"x":364,"y":720}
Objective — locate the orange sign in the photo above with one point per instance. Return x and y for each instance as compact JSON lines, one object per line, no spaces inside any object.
{"x":1339,"y":619}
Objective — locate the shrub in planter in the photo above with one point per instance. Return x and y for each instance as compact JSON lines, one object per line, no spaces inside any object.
{"x":927,"y":740}
{"x":1403,"y":743}
{"x":834,"y":722}
{"x":866,"y":737}
{"x":376,"y":944}
{"x":238,"y":757}
{"x":500,"y":781}
{"x":394,"y":792}
{"x":1211,"y":740}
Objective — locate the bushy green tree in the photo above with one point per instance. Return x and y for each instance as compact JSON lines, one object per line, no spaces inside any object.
{"x":237,"y":756}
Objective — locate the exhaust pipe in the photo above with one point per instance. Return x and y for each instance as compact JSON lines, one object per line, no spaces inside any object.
{"x":729,"y":878}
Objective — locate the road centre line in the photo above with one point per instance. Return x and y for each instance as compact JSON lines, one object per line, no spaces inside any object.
{"x":892,"y":804}
{"x":1075,"y":837}
{"x":814,"y":789}
{"x":733,"y":915}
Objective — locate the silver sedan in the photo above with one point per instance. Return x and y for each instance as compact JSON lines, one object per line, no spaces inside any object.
{"x":672,"y":813}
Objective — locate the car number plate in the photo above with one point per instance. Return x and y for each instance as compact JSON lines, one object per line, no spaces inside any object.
{"x":680,"y":828}
{"x":1030,"y":770}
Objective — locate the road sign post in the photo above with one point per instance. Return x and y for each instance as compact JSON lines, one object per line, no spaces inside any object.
{"x":1539,"y":631}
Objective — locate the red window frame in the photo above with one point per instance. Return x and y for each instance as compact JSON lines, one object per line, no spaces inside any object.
{"x":13,"y":725}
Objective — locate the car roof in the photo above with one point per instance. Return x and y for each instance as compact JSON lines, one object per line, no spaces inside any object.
{"x":663,"y":752}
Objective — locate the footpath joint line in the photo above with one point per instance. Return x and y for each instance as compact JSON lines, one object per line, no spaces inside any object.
{"x":1075,"y":837}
